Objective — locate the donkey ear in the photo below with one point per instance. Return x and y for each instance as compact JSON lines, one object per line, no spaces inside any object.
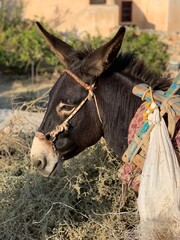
{"x":103,"y":57}
{"x":63,"y":51}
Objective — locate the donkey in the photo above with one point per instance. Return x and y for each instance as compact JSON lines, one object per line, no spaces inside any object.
{"x":91,"y":99}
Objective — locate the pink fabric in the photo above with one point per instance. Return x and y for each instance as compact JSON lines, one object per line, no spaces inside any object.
{"x":130,"y":174}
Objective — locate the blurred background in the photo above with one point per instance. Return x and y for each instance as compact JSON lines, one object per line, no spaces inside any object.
{"x":102,"y":16}
{"x":153,"y":34}
{"x":86,"y":201}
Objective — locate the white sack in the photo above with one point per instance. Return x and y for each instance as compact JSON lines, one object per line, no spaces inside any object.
{"x":159,"y":193}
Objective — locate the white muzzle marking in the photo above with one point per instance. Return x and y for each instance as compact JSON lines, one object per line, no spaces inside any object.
{"x":43,"y":156}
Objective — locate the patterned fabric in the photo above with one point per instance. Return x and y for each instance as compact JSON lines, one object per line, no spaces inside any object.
{"x":137,"y":122}
{"x":129,"y":173}
{"x":176,"y":138}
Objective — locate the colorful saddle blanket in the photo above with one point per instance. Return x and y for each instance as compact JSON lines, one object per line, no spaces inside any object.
{"x":129,"y":173}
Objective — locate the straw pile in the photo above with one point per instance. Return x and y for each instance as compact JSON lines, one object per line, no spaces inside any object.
{"x":82,"y":202}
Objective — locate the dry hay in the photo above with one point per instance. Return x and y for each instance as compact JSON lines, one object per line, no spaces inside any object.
{"x":16,"y":131}
{"x":81,"y":202}
{"x":85,"y":201}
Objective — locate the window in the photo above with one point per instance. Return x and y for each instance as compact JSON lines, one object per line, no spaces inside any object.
{"x":126,"y":12}
{"x":97,"y":1}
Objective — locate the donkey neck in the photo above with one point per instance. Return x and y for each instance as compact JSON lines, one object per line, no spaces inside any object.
{"x":117,"y":106}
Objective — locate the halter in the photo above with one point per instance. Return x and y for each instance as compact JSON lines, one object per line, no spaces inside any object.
{"x":51,"y":136}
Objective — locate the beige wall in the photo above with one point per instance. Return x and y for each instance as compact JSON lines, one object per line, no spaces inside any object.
{"x":66,"y":15}
{"x":79,"y":15}
{"x":100,"y":19}
{"x":54,"y":11}
{"x":151,"y":14}
{"x":174,"y":16}
{"x":161,"y":15}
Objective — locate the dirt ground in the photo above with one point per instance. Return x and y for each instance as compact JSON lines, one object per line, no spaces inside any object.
{"x":17,"y":89}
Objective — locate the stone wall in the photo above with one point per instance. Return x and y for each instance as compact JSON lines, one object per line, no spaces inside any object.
{"x":79,"y":15}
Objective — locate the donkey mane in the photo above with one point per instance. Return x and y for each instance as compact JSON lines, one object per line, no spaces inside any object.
{"x":128,"y":64}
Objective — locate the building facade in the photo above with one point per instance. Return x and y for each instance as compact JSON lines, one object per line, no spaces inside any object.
{"x":160,"y":15}
{"x":103,"y":16}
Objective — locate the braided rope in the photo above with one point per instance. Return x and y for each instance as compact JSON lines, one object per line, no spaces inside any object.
{"x":65,"y":125}
{"x":78,"y":80}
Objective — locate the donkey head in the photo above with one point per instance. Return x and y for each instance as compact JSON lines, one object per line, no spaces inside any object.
{"x":84,"y":128}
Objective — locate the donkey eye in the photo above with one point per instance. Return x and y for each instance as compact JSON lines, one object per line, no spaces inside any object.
{"x":64,"y":109}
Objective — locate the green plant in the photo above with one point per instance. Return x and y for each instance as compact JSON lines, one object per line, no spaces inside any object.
{"x":146,"y":46}
{"x":21,"y":44}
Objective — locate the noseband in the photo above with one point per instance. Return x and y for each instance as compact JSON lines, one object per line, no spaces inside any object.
{"x":51,"y":136}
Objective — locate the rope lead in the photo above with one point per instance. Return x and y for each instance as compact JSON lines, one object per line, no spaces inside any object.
{"x":151,"y":106}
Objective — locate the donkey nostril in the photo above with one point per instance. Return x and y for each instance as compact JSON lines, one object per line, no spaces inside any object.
{"x":39,"y":164}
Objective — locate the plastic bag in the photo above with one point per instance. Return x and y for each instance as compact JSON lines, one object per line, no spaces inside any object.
{"x":159,"y":192}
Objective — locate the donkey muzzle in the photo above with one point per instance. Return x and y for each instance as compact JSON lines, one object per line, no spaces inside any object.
{"x":43,"y":156}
